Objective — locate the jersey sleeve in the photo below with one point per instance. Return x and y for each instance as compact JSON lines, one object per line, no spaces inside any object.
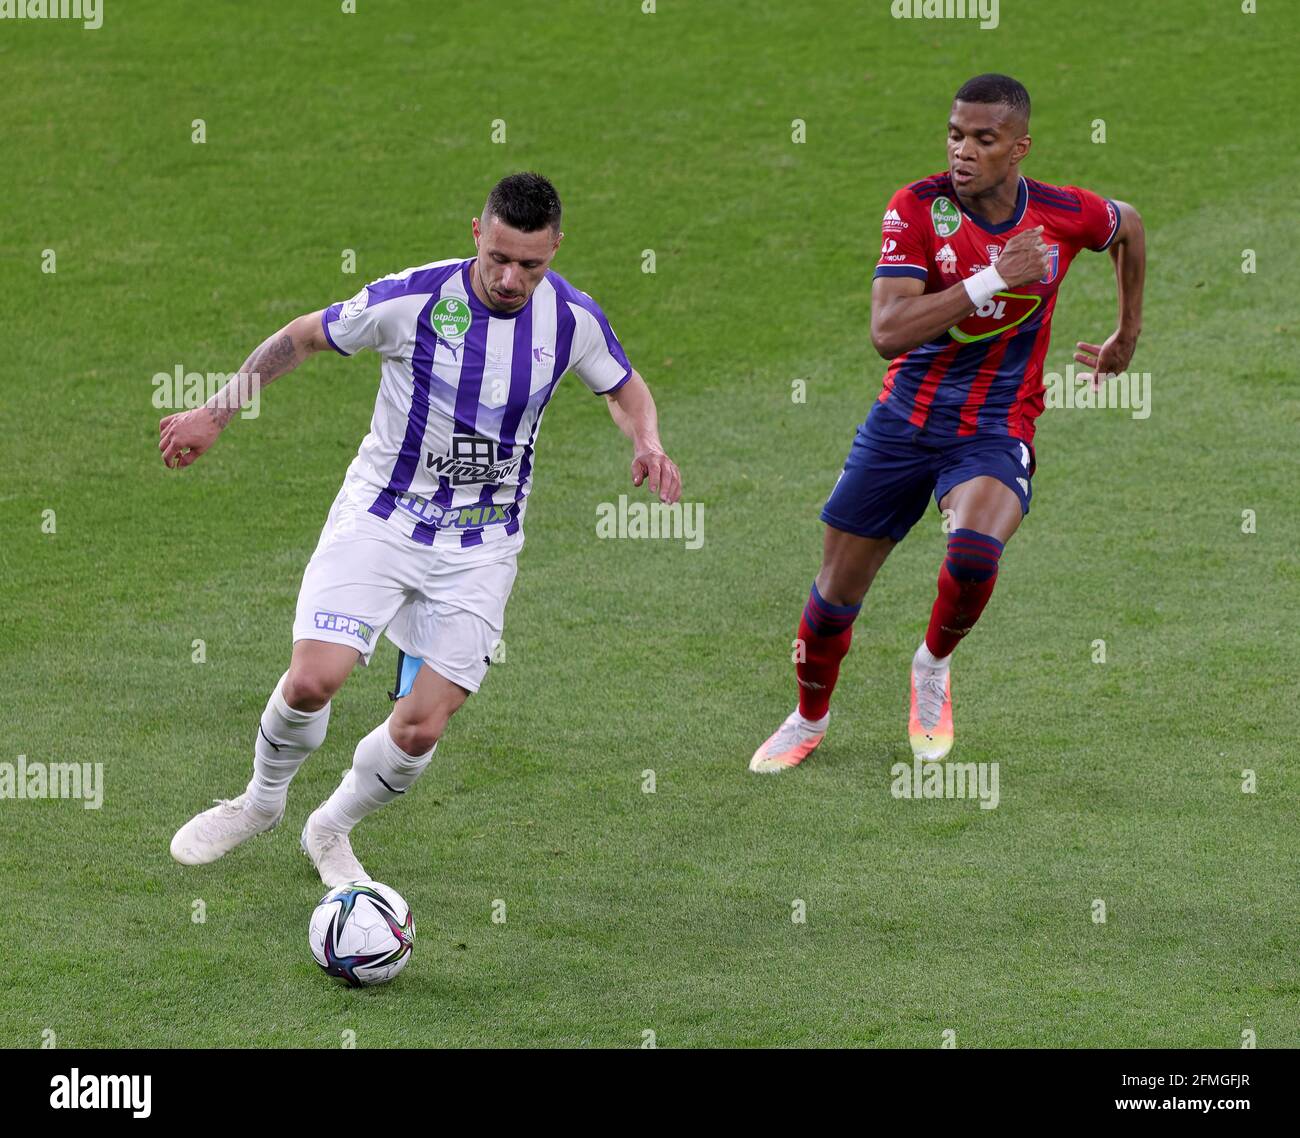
{"x":904,"y":245}
{"x":597,"y":358}
{"x":365,"y":321}
{"x":1098,"y":221}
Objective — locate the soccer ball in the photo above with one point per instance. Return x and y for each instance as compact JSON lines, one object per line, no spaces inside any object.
{"x":362,"y":933}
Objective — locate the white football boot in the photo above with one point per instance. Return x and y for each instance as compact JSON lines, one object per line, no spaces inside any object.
{"x":331,"y":853}
{"x":217,"y":831}
{"x":929,"y":725}
{"x":789,"y":744}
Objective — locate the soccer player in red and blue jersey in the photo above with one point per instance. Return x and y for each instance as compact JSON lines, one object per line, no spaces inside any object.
{"x":961,"y":306}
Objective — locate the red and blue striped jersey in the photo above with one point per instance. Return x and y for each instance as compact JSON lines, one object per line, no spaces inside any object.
{"x":985,"y":374}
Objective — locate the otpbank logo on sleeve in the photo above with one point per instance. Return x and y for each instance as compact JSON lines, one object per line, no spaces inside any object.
{"x":341,"y":622}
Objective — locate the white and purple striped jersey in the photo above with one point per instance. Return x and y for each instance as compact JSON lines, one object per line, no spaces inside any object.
{"x":449,"y":457}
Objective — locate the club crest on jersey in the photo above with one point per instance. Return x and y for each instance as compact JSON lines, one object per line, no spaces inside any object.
{"x":471,"y":459}
{"x":1053,"y":260}
{"x":945,"y":216}
{"x":451,"y":318}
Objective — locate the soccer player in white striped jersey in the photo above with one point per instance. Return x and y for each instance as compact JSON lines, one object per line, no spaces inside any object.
{"x":420,"y":543}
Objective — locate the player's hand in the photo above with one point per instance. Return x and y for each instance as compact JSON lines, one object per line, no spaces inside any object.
{"x":660,"y":473}
{"x":1024,"y":258}
{"x":1102,"y":360}
{"x":186,"y":435}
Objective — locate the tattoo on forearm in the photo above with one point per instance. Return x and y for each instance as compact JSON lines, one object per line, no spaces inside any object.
{"x":270,"y":359}
{"x":222,"y":415}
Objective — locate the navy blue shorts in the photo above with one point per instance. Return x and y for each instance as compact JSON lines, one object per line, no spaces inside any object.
{"x":893,"y":468}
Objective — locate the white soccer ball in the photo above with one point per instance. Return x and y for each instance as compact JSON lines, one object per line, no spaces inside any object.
{"x":362,"y":933}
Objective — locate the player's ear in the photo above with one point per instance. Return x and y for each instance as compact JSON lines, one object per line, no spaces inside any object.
{"x":477,"y":231}
{"x":1020,"y":148}
{"x":558,"y":238}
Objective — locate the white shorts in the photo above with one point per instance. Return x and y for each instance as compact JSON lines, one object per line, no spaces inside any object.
{"x":366,"y":579}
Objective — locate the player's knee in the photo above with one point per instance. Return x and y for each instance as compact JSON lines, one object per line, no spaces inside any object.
{"x":844,"y":580}
{"x":838,"y":592}
{"x":306,"y":690}
{"x":849,"y":565}
{"x":418,"y":737}
{"x":972,"y":556}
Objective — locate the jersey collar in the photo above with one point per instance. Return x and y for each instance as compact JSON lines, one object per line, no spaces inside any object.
{"x":1022,"y":202}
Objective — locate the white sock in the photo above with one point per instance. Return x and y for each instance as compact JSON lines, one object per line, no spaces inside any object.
{"x":814,"y":724}
{"x":381,"y":771}
{"x":926,"y":659}
{"x":285,"y":739}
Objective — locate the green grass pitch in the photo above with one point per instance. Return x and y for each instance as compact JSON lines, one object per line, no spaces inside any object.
{"x":627,"y":911}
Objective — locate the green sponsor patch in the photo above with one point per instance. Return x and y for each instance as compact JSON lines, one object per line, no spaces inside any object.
{"x":946,"y":217}
{"x":451,"y":318}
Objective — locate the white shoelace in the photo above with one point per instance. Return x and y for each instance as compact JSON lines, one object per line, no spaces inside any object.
{"x":792,"y":732}
{"x":229,"y":819}
{"x":336,"y":844}
{"x":219,"y":825}
{"x":931,"y":688}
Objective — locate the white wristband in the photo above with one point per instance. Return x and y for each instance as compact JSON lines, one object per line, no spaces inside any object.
{"x":984,"y":286}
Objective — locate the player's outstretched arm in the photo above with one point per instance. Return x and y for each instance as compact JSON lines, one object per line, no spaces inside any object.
{"x":903,"y":317}
{"x":1129,"y":253}
{"x":187,"y":434}
{"x":632,"y":408}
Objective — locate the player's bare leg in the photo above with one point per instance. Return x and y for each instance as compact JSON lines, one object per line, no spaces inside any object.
{"x":291,"y":728}
{"x":316,"y":672}
{"x":984,"y":515}
{"x":849,"y":565}
{"x":386,"y":763}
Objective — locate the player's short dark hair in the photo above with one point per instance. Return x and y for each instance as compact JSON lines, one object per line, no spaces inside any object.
{"x":524,"y":201}
{"x":994,"y":88}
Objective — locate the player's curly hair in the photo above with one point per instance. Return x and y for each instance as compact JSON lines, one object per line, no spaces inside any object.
{"x":524,"y":201}
{"x":994,"y":88}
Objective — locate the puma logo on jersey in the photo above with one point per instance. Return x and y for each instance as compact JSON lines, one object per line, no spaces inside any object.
{"x":454,"y":349}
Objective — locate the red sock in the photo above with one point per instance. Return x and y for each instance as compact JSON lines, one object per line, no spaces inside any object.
{"x":825,"y":631}
{"x":966,"y":582}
